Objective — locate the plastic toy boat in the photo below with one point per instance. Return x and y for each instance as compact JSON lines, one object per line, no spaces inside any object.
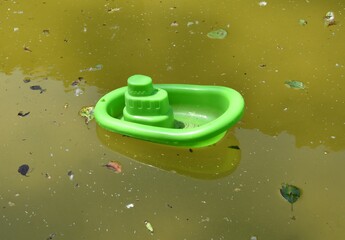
{"x":173,"y":114}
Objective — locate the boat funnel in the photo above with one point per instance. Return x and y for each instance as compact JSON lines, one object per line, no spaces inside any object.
{"x":147,"y":105}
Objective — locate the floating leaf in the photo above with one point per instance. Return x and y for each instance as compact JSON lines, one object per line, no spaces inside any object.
{"x":115,"y":166}
{"x":294,"y":84}
{"x":37,"y":87}
{"x":329,"y":19}
{"x":46,"y":175}
{"x":24,"y":169}
{"x":27,"y":49}
{"x":87,"y":113}
{"x":148,"y":226}
{"x":291,"y":193}
{"x":23,"y":114}
{"x":217,"y":34}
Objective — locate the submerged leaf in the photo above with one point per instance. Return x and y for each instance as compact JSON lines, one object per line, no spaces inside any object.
{"x":217,"y":34}
{"x":290,"y":192}
{"x":24,"y":169}
{"x":294,"y":84}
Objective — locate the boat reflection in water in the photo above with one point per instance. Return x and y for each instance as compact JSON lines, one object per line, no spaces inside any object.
{"x":211,"y":162}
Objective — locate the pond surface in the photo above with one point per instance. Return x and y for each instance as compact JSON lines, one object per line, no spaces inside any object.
{"x":59,"y":56}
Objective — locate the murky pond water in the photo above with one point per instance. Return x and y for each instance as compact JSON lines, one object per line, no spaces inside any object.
{"x":226,"y":191}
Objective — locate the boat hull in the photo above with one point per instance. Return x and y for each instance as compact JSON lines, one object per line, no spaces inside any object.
{"x":202,"y":115}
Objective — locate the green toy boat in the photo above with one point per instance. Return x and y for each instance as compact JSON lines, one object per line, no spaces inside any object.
{"x":173,"y":114}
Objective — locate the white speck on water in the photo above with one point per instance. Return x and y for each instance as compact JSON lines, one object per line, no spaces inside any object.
{"x":130,"y":205}
{"x":262,"y":4}
{"x":192,"y":23}
{"x":78,"y":92}
{"x":174,"y":24}
{"x":237,"y":189}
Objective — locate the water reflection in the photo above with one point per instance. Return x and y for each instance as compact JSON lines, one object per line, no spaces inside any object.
{"x":211,"y":162}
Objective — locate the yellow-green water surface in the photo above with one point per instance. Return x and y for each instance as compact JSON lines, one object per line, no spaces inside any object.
{"x":77,"y":51}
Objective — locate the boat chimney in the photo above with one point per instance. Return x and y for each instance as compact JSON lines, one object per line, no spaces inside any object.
{"x":146,"y":104}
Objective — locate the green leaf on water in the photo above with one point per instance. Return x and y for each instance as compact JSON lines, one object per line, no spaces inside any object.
{"x":87,"y":113}
{"x":294,"y":84}
{"x":290,"y":192}
{"x":217,"y":34}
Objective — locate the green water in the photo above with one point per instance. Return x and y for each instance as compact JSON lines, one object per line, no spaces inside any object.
{"x":286,"y":135}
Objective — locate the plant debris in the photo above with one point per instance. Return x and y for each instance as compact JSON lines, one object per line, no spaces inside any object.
{"x":70,"y":175}
{"x":26,"y":49}
{"x":24,"y":169}
{"x":302,"y":22}
{"x":234,"y":147}
{"x":77,"y":82}
{"x":291,"y":193}
{"x":92,"y":69}
{"x":51,"y":236}
{"x":27,"y":80}
{"x":294,"y":84}
{"x":22,"y":114}
{"x":114,"y":166}
{"x":329,"y":19}
{"x":46,"y":31}
{"x":217,"y":34}
{"x":87,"y":113}
{"x":37,"y":88}
{"x":148,"y":226}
